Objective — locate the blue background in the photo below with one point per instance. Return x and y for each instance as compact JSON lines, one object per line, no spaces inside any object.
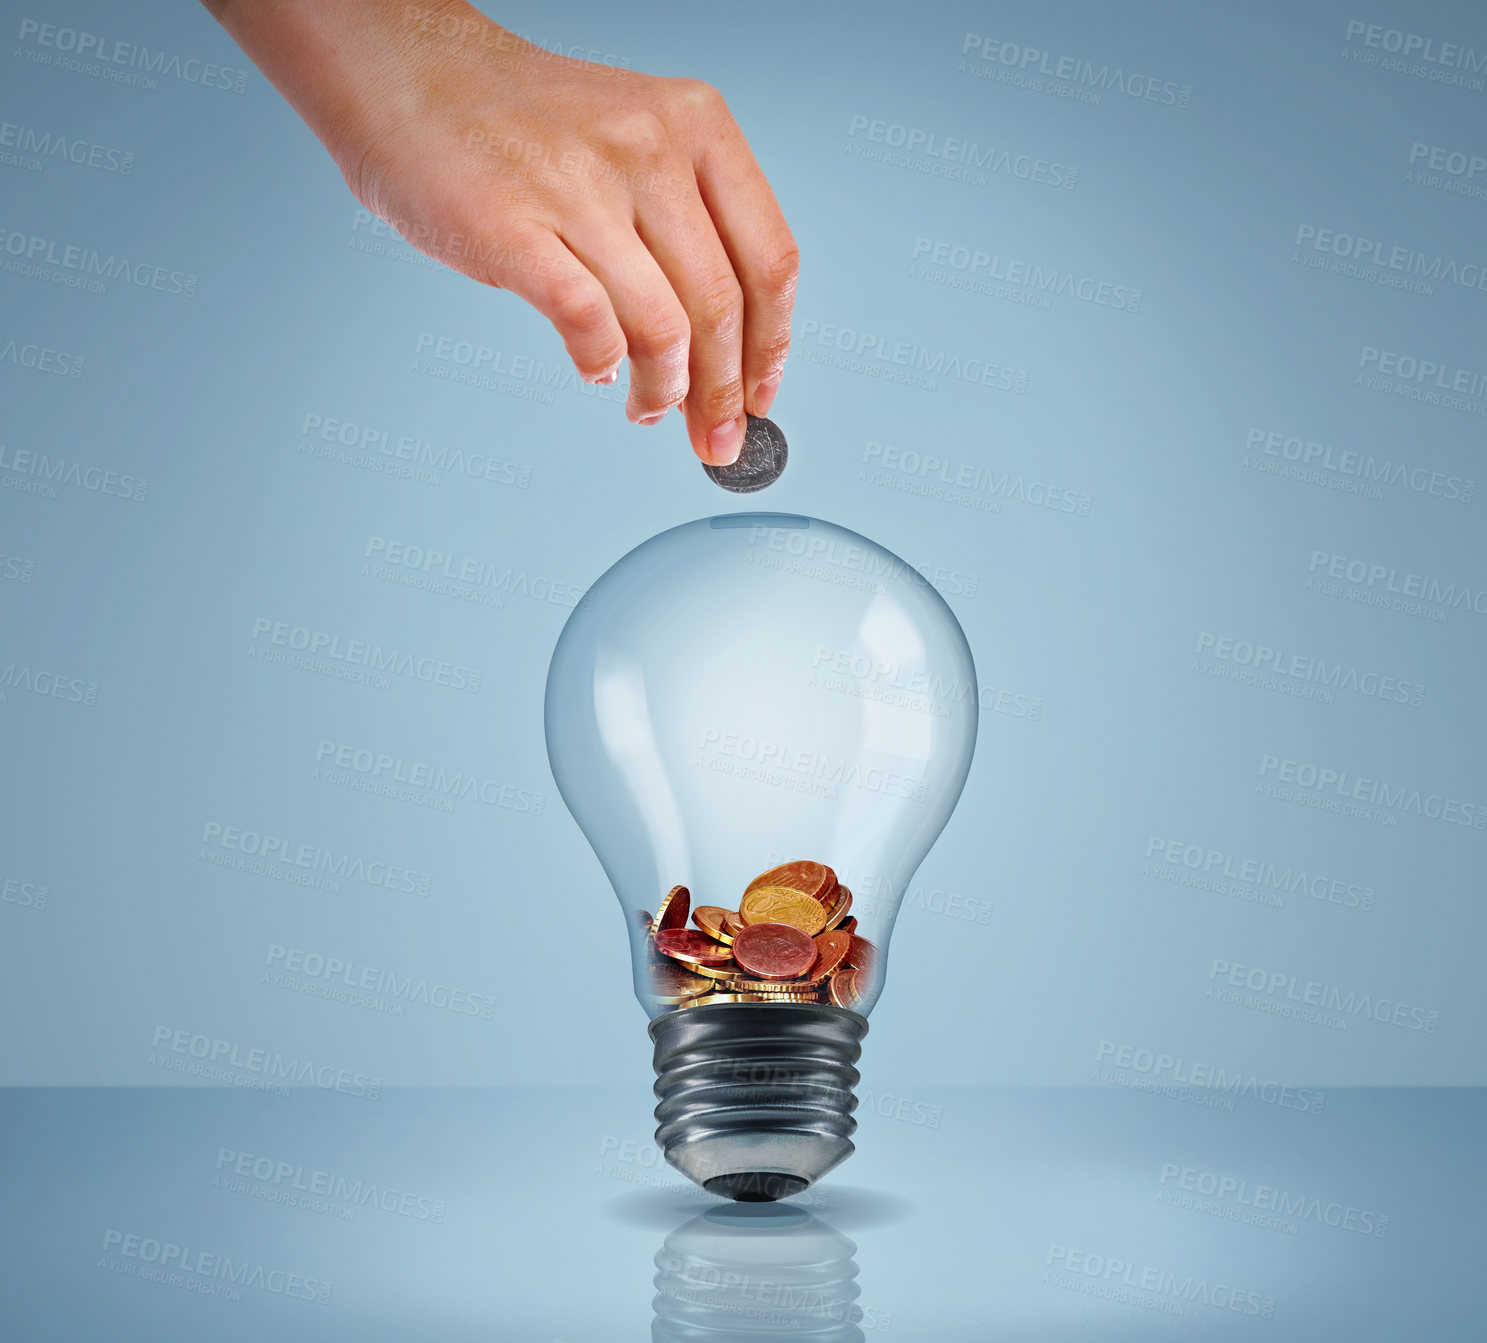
{"x":1046,"y":936}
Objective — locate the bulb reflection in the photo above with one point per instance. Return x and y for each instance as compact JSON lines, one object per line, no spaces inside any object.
{"x":756,"y":1271}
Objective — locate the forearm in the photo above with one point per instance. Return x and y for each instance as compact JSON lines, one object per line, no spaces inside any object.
{"x":351,"y":68}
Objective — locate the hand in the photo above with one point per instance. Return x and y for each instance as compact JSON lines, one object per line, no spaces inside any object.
{"x":626,"y":208}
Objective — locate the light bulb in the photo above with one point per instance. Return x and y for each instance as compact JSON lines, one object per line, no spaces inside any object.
{"x":735,"y":693}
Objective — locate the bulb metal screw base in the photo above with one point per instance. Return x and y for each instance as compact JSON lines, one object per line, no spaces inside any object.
{"x":755,"y":1100}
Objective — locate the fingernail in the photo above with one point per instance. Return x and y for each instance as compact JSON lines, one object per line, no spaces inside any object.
{"x":652,"y":419}
{"x":764,"y":393}
{"x":724,"y":442}
{"x":604,"y":379}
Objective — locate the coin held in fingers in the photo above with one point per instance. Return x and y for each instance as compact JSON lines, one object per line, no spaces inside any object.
{"x":760,"y":461}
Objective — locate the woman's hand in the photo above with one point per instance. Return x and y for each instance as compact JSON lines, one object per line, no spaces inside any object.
{"x":626,"y":208}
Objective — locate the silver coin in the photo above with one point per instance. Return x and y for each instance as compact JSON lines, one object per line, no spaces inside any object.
{"x":760,"y":461}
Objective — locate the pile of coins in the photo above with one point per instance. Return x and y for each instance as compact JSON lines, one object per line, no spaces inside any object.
{"x":791,"y":940}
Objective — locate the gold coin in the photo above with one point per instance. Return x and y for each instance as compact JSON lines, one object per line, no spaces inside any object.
{"x":772,"y":986}
{"x":751,"y":998}
{"x":710,"y":919}
{"x":814,"y":879}
{"x":779,"y":904}
{"x":728,"y":971}
{"x":673,"y":983}
{"x":732,"y":924}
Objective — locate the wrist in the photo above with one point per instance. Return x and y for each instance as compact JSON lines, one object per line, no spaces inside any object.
{"x":358,"y":71}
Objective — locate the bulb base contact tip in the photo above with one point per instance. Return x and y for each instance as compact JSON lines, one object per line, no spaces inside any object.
{"x":755,"y":1100}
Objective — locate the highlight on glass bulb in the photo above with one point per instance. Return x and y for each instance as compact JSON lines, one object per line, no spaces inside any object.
{"x":761,"y":722}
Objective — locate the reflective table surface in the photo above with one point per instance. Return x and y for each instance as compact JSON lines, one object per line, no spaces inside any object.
{"x":546,"y":1215}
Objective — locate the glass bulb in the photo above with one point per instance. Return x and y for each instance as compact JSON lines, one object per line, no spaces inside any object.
{"x":736,"y":693}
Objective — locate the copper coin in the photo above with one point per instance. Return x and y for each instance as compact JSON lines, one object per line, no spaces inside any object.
{"x":710,"y":919}
{"x":732,"y":924}
{"x":781,"y":904}
{"x":691,"y":946}
{"x":644,"y":917}
{"x":672,"y":911}
{"x":831,"y":951}
{"x":727,"y":970}
{"x":673,"y":983}
{"x":810,"y":878}
{"x":849,"y":926}
{"x":844,"y":991}
{"x":838,"y":909}
{"x":774,"y":950}
{"x":862,"y":954}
